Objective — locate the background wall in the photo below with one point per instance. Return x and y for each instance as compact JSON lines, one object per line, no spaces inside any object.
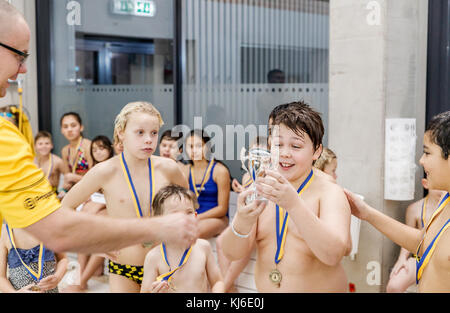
{"x":30,"y":79}
{"x":377,"y":71}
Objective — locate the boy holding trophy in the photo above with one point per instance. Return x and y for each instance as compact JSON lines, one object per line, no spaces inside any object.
{"x":303,"y":231}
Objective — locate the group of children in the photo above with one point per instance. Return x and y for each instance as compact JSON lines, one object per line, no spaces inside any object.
{"x":301,"y":233}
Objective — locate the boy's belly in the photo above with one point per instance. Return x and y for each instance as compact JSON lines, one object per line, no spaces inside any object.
{"x":301,"y":272}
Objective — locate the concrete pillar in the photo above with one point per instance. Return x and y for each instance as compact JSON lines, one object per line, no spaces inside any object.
{"x":30,"y":100}
{"x":378,"y":55}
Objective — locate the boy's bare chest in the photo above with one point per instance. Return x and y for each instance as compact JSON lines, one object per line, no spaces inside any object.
{"x":440,"y":259}
{"x":193,"y":272}
{"x":267,"y":220}
{"x":126,"y":200}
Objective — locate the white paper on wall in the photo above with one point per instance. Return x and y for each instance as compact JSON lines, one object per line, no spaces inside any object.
{"x":400,"y":155}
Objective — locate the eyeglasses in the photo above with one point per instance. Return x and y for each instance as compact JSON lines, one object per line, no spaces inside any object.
{"x":22,"y":54}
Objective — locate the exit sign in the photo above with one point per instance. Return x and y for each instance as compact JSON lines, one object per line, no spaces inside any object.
{"x":144,"y":8}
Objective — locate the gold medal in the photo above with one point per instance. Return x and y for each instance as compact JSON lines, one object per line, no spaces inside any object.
{"x":35,"y":289}
{"x":275,"y":276}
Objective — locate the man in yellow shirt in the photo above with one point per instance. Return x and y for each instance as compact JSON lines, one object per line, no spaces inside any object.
{"x":26,"y":197}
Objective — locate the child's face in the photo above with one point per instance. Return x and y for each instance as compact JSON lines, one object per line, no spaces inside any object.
{"x":168,"y":149}
{"x":140,"y":137}
{"x":43,"y":146}
{"x":296,"y":153}
{"x":435,"y":166}
{"x":176,"y":205}
{"x":70,"y":128}
{"x":99,"y":152}
{"x":195,"y":148}
{"x":330,"y":168}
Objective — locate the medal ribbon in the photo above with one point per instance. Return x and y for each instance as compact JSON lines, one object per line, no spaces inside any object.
{"x":248,"y":184}
{"x":422,"y":262}
{"x":424,"y":211}
{"x":168,"y":276}
{"x":207,"y":171}
{"x":127,"y":174}
{"x":74,"y":163}
{"x":282,"y":221}
{"x":36,"y":276}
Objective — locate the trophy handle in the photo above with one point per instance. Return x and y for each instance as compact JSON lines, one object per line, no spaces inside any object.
{"x":243,"y":159}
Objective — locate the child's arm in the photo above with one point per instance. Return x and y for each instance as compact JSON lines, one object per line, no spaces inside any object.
{"x":222,"y":178}
{"x":91,"y":182}
{"x":245,"y":224}
{"x":406,"y":236}
{"x":328,"y":235}
{"x":212,"y":270}
{"x":5,"y":285}
{"x":149,"y":283}
{"x":52,"y":281}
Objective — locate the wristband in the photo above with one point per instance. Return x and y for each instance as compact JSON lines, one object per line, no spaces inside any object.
{"x":237,"y":234}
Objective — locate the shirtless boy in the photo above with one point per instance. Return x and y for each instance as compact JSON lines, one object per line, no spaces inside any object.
{"x":317,"y":229}
{"x":52,"y":165}
{"x":432,"y":243}
{"x":403,"y":274}
{"x":129,"y":182}
{"x":196,"y":270}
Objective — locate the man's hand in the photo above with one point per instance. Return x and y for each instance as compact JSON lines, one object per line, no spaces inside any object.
{"x":178,"y":229}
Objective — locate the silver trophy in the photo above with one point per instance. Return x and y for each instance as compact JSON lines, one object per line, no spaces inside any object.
{"x":259,"y":160}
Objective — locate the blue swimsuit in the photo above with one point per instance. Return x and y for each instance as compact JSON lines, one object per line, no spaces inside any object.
{"x":208,"y":196}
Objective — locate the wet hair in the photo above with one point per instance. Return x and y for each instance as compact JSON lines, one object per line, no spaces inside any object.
{"x":170,"y":191}
{"x":299,"y":117}
{"x":325,"y":158}
{"x":121,"y":121}
{"x":43,"y":134}
{"x":439,"y":129}
{"x":75,"y":115}
{"x":104,"y":142}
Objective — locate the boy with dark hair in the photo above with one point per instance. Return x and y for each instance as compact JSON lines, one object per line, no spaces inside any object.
{"x":431,"y":244}
{"x":305,"y":231}
{"x":171,"y":268}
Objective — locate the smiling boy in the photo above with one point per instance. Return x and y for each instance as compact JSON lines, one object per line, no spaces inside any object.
{"x":304,"y":230}
{"x":432,"y":243}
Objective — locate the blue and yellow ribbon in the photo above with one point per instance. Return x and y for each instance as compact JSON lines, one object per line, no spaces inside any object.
{"x":422,"y":262}
{"x":127,"y":174}
{"x":36,"y":276}
{"x":168,"y":276}
{"x":282,"y":220}
{"x":248,"y":183}
{"x":205,"y":176}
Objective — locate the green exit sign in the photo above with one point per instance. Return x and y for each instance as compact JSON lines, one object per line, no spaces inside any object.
{"x":144,"y":8}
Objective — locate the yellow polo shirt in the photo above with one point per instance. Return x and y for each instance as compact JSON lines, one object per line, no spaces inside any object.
{"x":25,"y":194}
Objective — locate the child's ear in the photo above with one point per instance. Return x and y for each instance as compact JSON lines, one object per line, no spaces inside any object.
{"x":318,"y":153}
{"x":121,"y":136}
